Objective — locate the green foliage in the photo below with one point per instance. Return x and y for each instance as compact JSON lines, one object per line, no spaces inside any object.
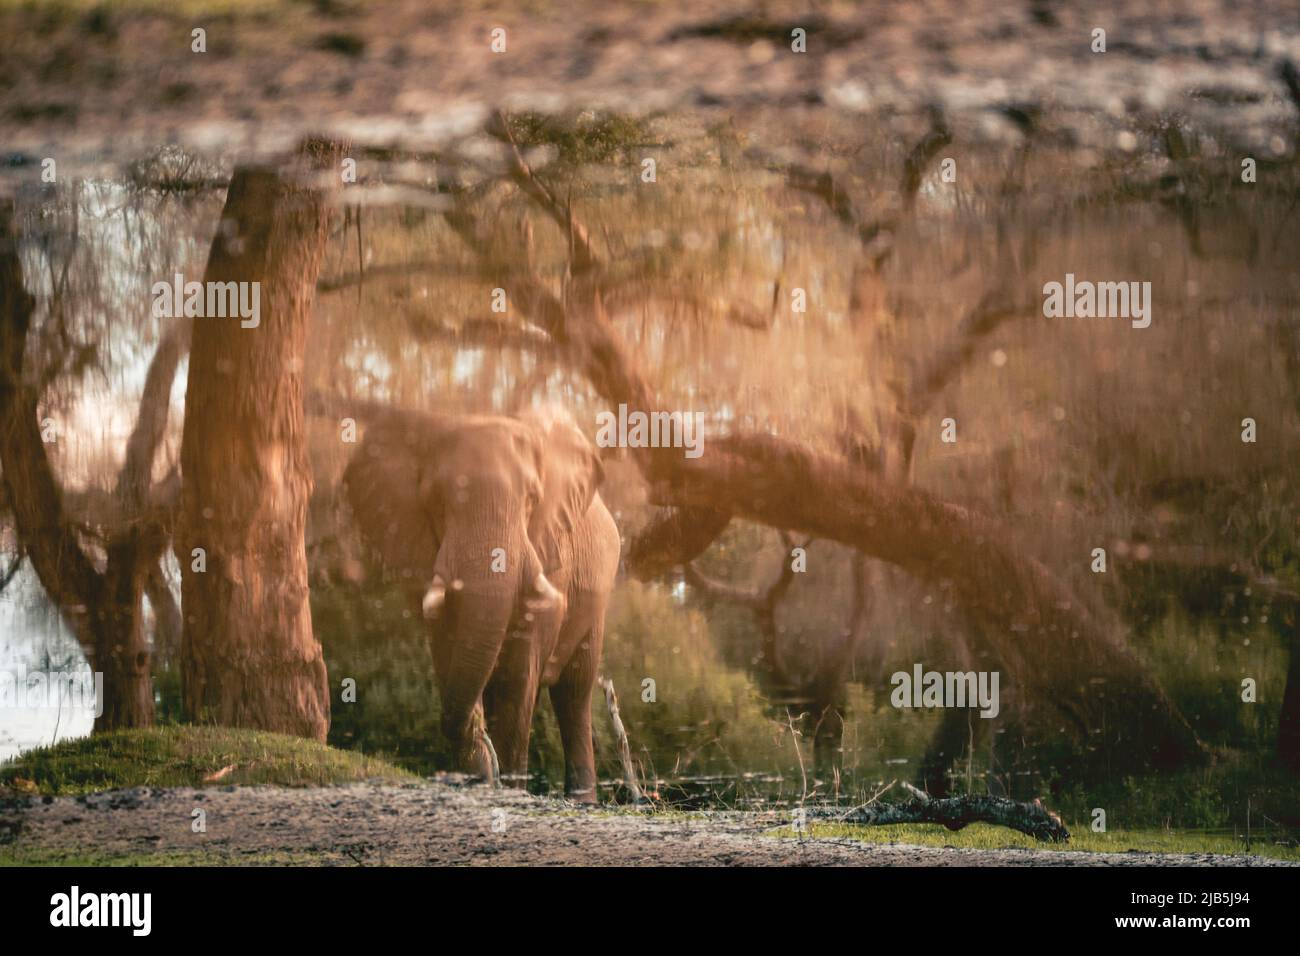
{"x":371,"y":636}
{"x":706,"y":718}
{"x":1233,"y":794}
{"x":980,"y":836}
{"x":580,"y":139}
{"x":1201,"y":667}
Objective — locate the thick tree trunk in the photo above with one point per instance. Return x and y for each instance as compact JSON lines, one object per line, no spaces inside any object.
{"x":249,"y":656}
{"x":121,"y":651}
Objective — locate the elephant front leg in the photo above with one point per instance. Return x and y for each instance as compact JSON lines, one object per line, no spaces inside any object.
{"x":509,"y":701}
{"x":471,"y":744}
{"x":462,"y":670}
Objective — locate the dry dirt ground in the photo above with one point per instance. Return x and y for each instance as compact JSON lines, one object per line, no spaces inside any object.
{"x":439,"y":824}
{"x":106,"y":81}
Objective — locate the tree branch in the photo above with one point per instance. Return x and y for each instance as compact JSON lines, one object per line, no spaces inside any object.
{"x":168,"y":624}
{"x":824,"y":187}
{"x":674,"y":539}
{"x":583,"y":254}
{"x":995,"y":308}
{"x":486,"y":333}
{"x":151,"y":419}
{"x":722,"y":591}
{"x":35,"y":496}
{"x":12,"y":570}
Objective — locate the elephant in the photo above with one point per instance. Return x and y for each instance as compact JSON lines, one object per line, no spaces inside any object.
{"x":494,"y":527}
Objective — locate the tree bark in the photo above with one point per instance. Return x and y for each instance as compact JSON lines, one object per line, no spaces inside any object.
{"x":249,"y":656}
{"x":121,"y":649}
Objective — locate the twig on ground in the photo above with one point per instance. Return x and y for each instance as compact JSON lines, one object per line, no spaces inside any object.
{"x":620,"y":735}
{"x":794,"y":735}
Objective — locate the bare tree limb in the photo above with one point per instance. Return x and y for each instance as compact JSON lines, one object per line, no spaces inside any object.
{"x":620,"y":739}
{"x":151,"y":418}
{"x":923,"y":153}
{"x":947,"y":363}
{"x":33,"y":492}
{"x":426,"y":267}
{"x":168,"y":624}
{"x":824,"y":187}
{"x":722,"y":591}
{"x":482,"y":332}
{"x":12,"y":570}
{"x":584,"y":255}
{"x":1290,"y":77}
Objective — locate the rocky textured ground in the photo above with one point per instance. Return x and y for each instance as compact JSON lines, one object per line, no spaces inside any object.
{"x":438,"y":824}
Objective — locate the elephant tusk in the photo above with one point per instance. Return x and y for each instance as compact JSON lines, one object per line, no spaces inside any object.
{"x":434,"y":599}
{"x":545,"y":596}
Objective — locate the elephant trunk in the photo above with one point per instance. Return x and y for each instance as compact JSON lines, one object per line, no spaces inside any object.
{"x":464,"y":662}
{"x":539,"y":594}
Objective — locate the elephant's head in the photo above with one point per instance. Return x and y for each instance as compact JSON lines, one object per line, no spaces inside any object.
{"x":461,"y":507}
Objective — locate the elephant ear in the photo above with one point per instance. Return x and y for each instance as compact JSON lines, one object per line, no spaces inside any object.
{"x":571,"y":471}
{"x":392,"y":498}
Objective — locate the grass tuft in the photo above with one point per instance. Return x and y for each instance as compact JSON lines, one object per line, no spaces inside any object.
{"x":980,"y":836}
{"x":188,"y":756}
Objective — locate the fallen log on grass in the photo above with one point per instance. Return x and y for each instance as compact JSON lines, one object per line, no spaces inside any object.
{"x":955,"y":813}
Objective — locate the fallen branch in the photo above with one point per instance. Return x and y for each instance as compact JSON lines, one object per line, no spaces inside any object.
{"x":955,"y":813}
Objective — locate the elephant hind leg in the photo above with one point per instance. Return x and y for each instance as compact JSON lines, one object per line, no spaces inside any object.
{"x":571,"y":697}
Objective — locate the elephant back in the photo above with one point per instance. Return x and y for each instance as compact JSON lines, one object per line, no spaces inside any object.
{"x":596,"y":546}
